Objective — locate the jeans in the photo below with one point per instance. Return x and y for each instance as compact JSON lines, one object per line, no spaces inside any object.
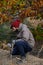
{"x":21,"y":48}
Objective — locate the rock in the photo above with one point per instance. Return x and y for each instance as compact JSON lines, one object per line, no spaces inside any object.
{"x":33,"y":22}
{"x":40,"y":53}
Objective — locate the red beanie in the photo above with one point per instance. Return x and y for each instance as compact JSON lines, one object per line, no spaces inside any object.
{"x":15,"y":24}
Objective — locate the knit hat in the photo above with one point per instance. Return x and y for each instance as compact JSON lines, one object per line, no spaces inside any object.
{"x":15,"y":23}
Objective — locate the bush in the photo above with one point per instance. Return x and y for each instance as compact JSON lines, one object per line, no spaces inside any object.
{"x":38,"y":33}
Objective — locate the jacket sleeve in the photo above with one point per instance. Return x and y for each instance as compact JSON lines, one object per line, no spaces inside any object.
{"x":19,"y":35}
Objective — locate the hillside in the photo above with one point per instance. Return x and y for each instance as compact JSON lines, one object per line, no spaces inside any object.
{"x":5,"y":60}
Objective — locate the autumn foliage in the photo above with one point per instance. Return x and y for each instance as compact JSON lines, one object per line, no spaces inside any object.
{"x":27,"y":8}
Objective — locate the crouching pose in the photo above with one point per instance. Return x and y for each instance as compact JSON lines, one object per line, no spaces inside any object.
{"x":26,"y":42}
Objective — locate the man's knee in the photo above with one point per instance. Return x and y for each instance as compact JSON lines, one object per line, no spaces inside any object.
{"x":19,"y":43}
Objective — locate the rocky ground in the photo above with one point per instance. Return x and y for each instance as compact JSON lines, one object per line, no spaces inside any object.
{"x":6,"y":59}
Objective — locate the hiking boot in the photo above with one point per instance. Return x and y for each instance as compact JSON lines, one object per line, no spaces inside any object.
{"x":18,"y":60}
{"x":24,"y":60}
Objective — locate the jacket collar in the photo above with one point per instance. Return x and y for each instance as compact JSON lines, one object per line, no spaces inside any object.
{"x":20,"y":26}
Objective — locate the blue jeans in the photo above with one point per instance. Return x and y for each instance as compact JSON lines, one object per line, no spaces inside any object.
{"x":21,"y":48}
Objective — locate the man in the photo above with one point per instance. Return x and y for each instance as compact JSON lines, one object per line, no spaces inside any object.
{"x":26,"y":42}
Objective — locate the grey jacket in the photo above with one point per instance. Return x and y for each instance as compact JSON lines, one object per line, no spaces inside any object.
{"x":25,"y":34}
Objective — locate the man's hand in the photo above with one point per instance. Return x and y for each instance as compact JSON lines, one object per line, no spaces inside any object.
{"x":13,"y":41}
{"x":9,"y":45}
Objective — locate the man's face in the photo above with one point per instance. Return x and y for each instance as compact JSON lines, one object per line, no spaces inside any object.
{"x":14,"y":29}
